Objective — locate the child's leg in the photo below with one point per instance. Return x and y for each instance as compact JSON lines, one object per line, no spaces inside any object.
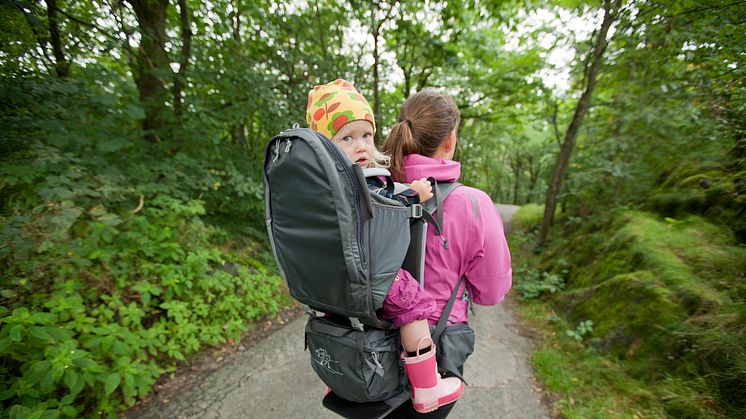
{"x":412,"y":335}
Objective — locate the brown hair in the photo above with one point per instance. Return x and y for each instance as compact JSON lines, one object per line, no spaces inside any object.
{"x":425,"y":121}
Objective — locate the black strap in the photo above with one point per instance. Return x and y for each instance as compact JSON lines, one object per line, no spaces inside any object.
{"x":443,"y":361}
{"x":390,"y":185}
{"x":327,"y":329}
{"x":430,"y":220}
{"x":439,"y":198}
{"x":440,"y":327}
{"x":440,"y":193}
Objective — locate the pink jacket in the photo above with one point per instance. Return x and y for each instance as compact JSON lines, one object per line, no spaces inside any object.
{"x":477,"y":247}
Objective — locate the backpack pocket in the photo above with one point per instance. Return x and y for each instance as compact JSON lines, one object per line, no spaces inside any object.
{"x":454,"y":347}
{"x":389,"y":236}
{"x":360,"y":366}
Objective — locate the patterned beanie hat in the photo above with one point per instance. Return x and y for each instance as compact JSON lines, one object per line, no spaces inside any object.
{"x":331,"y":106}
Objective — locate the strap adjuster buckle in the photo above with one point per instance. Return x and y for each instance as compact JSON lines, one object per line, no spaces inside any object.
{"x":416,"y":211}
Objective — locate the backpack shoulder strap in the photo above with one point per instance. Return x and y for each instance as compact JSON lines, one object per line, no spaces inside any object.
{"x":440,"y":193}
{"x":446,"y":311}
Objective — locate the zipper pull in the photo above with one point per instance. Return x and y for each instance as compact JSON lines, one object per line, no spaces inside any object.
{"x":276,"y":150}
{"x":379,"y":367}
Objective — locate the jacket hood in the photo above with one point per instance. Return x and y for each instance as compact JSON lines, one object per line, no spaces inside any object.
{"x":417,"y":166}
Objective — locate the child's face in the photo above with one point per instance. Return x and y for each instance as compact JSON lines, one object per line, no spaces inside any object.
{"x":356,"y":140}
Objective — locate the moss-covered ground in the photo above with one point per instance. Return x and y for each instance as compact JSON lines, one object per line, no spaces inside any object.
{"x":650,"y":321}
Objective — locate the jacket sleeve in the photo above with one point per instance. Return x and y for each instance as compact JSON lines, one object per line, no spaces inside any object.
{"x":407,"y":197}
{"x":489,"y":271}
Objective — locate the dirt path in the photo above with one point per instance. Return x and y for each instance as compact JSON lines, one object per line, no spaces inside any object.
{"x":273,"y":379}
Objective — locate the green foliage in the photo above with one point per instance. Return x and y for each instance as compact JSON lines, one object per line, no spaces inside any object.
{"x":708,"y":189}
{"x":110,"y":274}
{"x":528,"y":217}
{"x":99,"y":309}
{"x":664,"y":297}
{"x":533,"y":283}
{"x":588,"y":383}
{"x":667,"y":131}
{"x":583,"y":328}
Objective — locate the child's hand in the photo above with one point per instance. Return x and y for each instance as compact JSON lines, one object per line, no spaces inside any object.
{"x":423,"y":188}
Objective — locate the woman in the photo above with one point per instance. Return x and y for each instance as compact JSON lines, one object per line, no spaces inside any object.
{"x":472,"y":244}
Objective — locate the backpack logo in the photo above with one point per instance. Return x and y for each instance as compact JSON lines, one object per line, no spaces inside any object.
{"x":325,"y":360}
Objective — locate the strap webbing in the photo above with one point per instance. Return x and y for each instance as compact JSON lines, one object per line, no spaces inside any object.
{"x":430,"y":220}
{"x":444,"y":362}
{"x":443,"y":320}
{"x":440,"y":193}
{"x":327,"y":329}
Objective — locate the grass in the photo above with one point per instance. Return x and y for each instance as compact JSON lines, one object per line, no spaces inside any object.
{"x":669,"y":326}
{"x":586,"y":383}
{"x":528,"y":216}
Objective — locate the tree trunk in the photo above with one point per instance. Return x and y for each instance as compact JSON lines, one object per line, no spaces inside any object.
{"x":517,"y":172}
{"x":321,"y":28}
{"x":533,"y":177}
{"x":240,"y":128}
{"x":376,"y":25}
{"x":407,"y":81}
{"x":240,"y":135}
{"x":422,"y":80}
{"x":61,"y":65}
{"x":236,"y":22}
{"x":504,"y":196}
{"x":186,"y":50}
{"x":581,"y":109}
{"x":496,"y":188}
{"x":557,"y":135}
{"x":152,"y":63}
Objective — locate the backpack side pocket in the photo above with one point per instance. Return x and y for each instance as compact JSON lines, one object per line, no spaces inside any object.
{"x":454,"y":347}
{"x":360,"y":366}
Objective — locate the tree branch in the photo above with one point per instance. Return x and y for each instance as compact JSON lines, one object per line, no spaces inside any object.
{"x":33,"y":22}
{"x":61,"y":64}
{"x":186,"y":48}
{"x":104,"y":32}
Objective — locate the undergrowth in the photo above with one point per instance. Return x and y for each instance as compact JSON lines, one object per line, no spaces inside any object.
{"x":647,"y":320}
{"x":118,"y":257}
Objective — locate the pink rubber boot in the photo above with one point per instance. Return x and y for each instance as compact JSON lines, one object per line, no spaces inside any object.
{"x":429,"y":390}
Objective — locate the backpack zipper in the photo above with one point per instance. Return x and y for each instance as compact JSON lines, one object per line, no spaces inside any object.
{"x":276,"y":149}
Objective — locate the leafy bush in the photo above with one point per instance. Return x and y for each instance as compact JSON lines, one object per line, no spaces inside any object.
{"x":532,"y":283}
{"x":584,"y":328}
{"x":98,"y":312}
{"x":110,"y":273}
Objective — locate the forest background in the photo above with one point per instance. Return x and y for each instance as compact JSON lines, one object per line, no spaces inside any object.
{"x":132,"y":138}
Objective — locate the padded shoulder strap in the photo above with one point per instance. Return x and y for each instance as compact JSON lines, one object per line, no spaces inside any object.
{"x":440,"y":193}
{"x":376,"y":171}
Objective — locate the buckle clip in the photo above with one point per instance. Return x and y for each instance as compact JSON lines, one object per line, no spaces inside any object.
{"x":416,"y":211}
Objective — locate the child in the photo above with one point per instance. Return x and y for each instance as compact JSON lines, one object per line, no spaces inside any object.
{"x":342,"y":114}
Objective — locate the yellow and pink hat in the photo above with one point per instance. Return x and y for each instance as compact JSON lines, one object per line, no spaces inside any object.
{"x":333,"y":105}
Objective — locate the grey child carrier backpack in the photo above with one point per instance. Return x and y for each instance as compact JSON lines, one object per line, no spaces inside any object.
{"x":339,"y":248}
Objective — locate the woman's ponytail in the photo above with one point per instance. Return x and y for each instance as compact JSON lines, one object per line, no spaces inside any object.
{"x":398,"y":144}
{"x":427,"y":118}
